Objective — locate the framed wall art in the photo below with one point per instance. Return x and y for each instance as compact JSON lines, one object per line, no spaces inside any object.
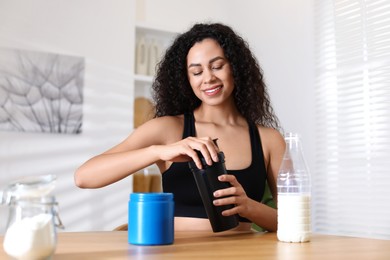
{"x":41,"y":92}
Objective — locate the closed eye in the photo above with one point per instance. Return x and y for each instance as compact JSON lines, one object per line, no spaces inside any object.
{"x":217,"y":67}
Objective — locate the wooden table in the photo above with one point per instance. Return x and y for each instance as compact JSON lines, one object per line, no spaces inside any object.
{"x":226,"y":245}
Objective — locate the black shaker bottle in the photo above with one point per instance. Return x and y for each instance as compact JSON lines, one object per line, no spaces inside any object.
{"x":207,"y":182}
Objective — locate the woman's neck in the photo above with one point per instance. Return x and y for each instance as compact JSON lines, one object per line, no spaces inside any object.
{"x":219,"y":115}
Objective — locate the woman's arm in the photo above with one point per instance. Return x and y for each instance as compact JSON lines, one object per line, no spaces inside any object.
{"x":129,"y":156}
{"x":273,"y":147}
{"x":277,"y":147}
{"x":156,"y":141}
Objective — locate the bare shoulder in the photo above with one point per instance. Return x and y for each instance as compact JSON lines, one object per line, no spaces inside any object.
{"x":161,"y":130}
{"x":157,"y":131}
{"x":273,"y":150}
{"x":268,"y":134}
{"x":272,"y":140}
{"x":165,"y":122}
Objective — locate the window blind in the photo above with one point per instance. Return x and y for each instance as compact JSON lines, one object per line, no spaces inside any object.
{"x":351,"y":179}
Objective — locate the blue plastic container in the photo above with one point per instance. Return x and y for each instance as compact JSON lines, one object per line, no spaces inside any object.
{"x":151,"y":218}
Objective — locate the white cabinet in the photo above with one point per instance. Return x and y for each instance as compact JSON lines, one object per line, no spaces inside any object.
{"x":150,"y":44}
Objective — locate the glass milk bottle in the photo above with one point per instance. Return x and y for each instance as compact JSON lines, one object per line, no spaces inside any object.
{"x":294,"y":193}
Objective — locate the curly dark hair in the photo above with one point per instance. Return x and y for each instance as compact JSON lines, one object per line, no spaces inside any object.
{"x":173,"y":94}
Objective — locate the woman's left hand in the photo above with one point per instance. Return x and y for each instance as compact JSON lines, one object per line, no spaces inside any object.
{"x":235,"y":195}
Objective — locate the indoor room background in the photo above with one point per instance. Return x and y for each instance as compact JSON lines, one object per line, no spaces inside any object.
{"x":283,"y":35}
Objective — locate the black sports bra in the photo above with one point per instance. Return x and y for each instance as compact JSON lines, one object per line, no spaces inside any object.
{"x":178,"y":178}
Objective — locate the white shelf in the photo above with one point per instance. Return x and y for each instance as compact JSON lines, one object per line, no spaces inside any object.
{"x":153,"y":40}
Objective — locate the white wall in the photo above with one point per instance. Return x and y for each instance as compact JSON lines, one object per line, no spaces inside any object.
{"x":278,"y":31}
{"x":101,"y":32}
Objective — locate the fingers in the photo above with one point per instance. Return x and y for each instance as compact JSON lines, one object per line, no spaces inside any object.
{"x":234,"y":195}
{"x":186,"y":149}
{"x":232,"y":211}
{"x":237,"y":201}
{"x":206,"y":147}
{"x":192,"y":153}
{"x":231,"y":195}
{"x":229,"y":178}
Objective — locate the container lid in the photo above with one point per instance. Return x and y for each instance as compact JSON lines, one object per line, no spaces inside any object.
{"x":48,"y":200}
{"x":29,"y":187}
{"x":151,"y":196}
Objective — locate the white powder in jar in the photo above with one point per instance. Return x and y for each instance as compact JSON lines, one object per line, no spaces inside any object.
{"x":31,"y":238}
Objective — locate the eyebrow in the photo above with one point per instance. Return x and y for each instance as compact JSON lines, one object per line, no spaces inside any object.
{"x":210,"y":61}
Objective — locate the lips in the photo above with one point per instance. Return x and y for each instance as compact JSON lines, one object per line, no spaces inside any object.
{"x":213,"y":91}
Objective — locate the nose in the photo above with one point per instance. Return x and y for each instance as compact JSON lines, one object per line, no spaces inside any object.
{"x":208,"y":76}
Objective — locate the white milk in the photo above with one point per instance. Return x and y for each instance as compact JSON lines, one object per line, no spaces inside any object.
{"x":31,"y":238}
{"x":294,"y":218}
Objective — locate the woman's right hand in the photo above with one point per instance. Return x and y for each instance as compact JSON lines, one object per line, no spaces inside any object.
{"x":143,"y":147}
{"x":185,"y":150}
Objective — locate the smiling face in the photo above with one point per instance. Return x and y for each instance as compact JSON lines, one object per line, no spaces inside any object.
{"x":209,"y":72}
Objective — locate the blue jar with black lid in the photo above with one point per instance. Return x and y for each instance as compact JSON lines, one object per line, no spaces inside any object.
{"x":151,"y":219}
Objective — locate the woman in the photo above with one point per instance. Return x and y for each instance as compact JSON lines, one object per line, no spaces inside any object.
{"x":208,"y":86}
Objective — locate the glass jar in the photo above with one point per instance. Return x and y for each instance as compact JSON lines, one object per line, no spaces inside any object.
{"x":32,"y":218}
